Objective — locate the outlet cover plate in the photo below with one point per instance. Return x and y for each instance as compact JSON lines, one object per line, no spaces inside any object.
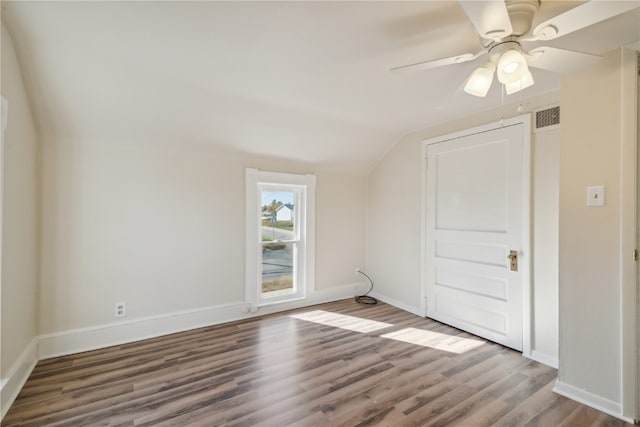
{"x":120,"y":309}
{"x":595,"y":196}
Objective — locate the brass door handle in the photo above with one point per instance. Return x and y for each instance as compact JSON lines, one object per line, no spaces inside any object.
{"x":513,"y":260}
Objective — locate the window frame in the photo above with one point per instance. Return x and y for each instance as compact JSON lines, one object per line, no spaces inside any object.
{"x":304,"y":217}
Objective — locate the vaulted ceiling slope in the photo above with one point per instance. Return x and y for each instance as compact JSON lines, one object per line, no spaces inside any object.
{"x":306,"y":81}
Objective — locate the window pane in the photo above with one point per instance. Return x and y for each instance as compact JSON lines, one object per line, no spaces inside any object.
{"x":277,"y":268}
{"x":278,"y":215}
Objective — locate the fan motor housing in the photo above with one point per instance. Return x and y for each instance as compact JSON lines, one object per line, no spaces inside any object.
{"x":521,"y":13}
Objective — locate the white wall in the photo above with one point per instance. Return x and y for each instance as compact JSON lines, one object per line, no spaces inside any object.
{"x":19,"y":232}
{"x":162,"y":228}
{"x":393,"y":223}
{"x":595,"y":134}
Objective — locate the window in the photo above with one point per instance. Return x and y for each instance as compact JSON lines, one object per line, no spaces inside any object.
{"x":279,"y":243}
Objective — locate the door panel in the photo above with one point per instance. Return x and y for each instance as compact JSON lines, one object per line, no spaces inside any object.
{"x":462,"y":189}
{"x":488,"y":317}
{"x":479,"y":253}
{"x":483,"y":285}
{"x":474,"y":218}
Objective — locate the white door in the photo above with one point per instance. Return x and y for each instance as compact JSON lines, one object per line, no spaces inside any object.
{"x":476,"y":195}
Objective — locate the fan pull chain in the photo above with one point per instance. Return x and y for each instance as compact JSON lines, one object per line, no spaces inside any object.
{"x":520,"y":108}
{"x":502,"y":106}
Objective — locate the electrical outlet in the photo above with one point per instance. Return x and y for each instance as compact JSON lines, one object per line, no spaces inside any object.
{"x":357,"y":270}
{"x":121,"y":309}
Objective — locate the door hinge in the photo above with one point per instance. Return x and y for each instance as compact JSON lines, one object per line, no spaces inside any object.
{"x":635,"y":255}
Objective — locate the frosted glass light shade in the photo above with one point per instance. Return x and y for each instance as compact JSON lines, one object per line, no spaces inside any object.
{"x":511,"y":67}
{"x":523,"y":83}
{"x":480,"y":80}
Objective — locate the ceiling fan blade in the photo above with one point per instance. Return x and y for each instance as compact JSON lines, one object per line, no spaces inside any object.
{"x":560,"y":60}
{"x":490,"y":17}
{"x":427,"y":65}
{"x":582,"y":16}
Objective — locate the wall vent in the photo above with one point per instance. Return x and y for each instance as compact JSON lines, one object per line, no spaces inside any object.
{"x":547,"y":119}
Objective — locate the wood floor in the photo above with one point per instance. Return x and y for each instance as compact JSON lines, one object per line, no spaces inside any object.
{"x":310,"y":367}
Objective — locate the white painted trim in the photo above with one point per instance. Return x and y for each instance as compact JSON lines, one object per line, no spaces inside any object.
{"x":527,"y":233}
{"x":586,"y":398}
{"x":543,"y":358}
{"x":17,"y":376}
{"x":423,"y":231}
{"x":527,"y":205}
{"x":251,"y":230}
{"x":628,"y":232}
{"x":310,"y":233}
{"x":398,"y":304}
{"x":637,"y":246}
{"x":480,"y":129}
{"x":305,"y":185}
{"x":101,"y":336}
{"x":6,"y":397}
{"x":5,"y":115}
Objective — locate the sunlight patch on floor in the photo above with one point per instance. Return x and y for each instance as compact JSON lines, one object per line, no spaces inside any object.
{"x":436,"y":340}
{"x":342,"y":321}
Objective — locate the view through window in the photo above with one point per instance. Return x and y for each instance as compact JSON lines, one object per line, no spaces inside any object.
{"x":280,"y":239}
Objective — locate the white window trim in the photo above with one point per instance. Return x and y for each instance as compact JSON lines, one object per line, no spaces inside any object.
{"x":253,"y":245}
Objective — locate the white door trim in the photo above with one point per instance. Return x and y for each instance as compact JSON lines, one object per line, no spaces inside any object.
{"x":525,"y":121}
{"x":629,"y":223}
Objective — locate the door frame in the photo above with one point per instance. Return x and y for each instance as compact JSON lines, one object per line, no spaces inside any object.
{"x":527,"y":251}
{"x":629,"y":241}
{"x":4,"y":116}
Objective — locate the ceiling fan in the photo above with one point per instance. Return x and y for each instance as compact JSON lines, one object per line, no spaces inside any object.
{"x":504,"y":25}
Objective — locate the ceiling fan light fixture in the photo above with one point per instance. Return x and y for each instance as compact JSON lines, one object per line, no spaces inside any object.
{"x":512,"y":67}
{"x":517,"y":86}
{"x":480,"y":80}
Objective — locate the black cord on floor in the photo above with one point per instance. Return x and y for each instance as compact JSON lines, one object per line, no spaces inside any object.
{"x":365,"y":298}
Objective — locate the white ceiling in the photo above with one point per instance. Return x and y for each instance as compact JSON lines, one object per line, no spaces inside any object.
{"x":307,"y":81}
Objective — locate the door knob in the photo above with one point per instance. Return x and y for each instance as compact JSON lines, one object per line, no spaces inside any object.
{"x":513,"y":260}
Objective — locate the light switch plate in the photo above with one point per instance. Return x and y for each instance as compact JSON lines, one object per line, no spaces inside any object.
{"x":595,"y":195}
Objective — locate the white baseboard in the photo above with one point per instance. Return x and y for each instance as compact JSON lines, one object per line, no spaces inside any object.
{"x":17,"y":376}
{"x":587,"y":398}
{"x":399,"y":304}
{"x":543,"y":358}
{"x":92,"y":338}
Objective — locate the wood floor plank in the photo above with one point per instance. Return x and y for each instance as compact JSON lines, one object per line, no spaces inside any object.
{"x":287,"y":369}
